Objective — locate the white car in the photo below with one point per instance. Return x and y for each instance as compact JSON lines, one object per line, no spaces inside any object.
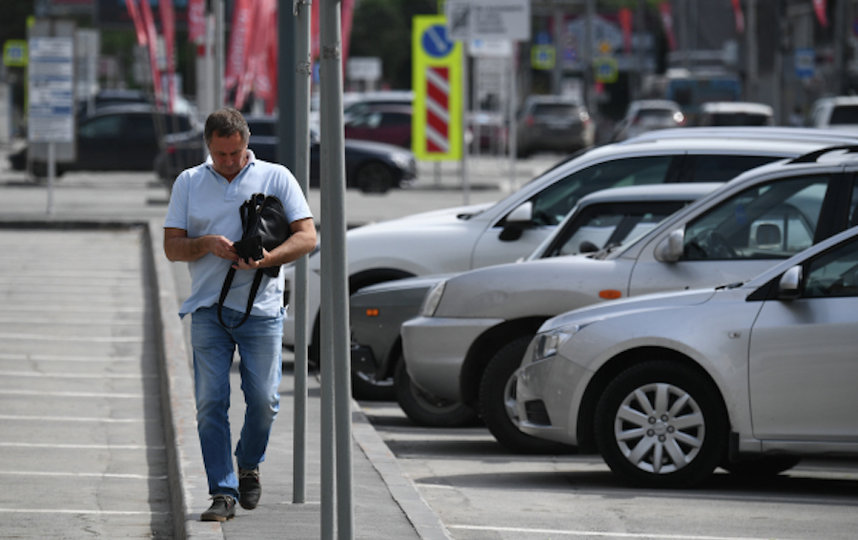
{"x":645,"y":115}
{"x":667,"y":387}
{"x":475,"y":326}
{"x":458,"y":239}
{"x":836,"y":112}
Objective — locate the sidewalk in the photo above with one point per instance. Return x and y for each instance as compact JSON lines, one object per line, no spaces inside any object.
{"x":385,"y":503}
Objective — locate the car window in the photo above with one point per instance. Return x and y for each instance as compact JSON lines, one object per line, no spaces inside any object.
{"x":396,"y":119}
{"x":102,"y":127}
{"x":844,"y":114}
{"x":833,"y":273}
{"x":261,"y":128}
{"x":601,"y":225}
{"x":552,"y":204}
{"x":142,"y":126}
{"x":719,"y":167}
{"x":773,"y":220}
{"x":554,"y":109}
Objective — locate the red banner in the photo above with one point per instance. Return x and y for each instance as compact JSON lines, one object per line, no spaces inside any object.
{"x":236,"y":63}
{"x":255,"y":78}
{"x":152,"y":40}
{"x":820,"y":8}
{"x":667,"y":22}
{"x":738,"y":16}
{"x":139,"y":28}
{"x":168,"y":26}
{"x":625,"y":16}
{"x":197,"y":21}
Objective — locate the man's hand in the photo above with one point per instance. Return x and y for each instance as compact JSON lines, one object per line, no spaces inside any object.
{"x":250,"y":264}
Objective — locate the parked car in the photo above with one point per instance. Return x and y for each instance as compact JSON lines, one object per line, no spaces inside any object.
{"x":389,"y":124}
{"x":115,"y":138}
{"x":735,"y":113}
{"x":474,"y":327}
{"x":750,"y":376}
{"x":648,"y":115}
{"x":553,"y":123}
{"x":607,"y":217}
{"x":370,"y":167}
{"x":461,"y":238}
{"x":838,"y":112}
{"x":110,"y":97}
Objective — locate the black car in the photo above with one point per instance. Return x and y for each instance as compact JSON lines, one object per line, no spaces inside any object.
{"x":371,"y":167}
{"x":115,"y":138}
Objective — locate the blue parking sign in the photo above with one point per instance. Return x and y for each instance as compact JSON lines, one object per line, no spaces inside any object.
{"x":435,"y":41}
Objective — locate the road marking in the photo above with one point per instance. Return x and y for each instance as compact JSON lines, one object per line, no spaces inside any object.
{"x":58,"y":358}
{"x":586,"y":534}
{"x":82,"y":446}
{"x":86,"y":512}
{"x":74,"y":419}
{"x":88,"y":339}
{"x":73,"y":394}
{"x":67,"y":375}
{"x":126,"y":476}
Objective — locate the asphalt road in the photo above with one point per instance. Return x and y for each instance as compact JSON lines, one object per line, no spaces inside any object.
{"x":482,"y":492}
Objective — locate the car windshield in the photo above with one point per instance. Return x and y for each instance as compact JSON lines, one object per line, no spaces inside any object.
{"x":844,"y":114}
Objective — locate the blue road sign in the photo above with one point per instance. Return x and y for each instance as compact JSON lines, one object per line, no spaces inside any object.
{"x":435,"y":41}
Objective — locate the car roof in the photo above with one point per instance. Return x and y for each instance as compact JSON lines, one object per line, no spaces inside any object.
{"x":808,"y":135}
{"x":651,"y":193}
{"x":838,"y":100}
{"x":736,"y":107}
{"x":654,"y":104}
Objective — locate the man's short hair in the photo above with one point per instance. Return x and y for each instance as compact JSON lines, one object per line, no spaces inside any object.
{"x":224,"y":123}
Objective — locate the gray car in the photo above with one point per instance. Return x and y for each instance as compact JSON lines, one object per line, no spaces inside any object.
{"x":553,"y":123}
{"x":607,"y":217}
{"x":750,"y":377}
{"x":475,"y":326}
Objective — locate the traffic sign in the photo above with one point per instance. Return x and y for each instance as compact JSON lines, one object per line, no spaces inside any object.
{"x":436,"y":122}
{"x":488,"y":19}
{"x":15,"y":53}
{"x":51,"y":90}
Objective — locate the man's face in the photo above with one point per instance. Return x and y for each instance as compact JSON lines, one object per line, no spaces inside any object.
{"x":229,"y":154}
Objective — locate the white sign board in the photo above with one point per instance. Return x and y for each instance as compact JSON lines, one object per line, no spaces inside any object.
{"x":51,"y":90}
{"x":488,"y":19}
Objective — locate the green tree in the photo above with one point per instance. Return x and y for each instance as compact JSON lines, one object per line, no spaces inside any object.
{"x":382,"y":28}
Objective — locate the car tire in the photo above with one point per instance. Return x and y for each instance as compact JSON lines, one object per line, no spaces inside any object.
{"x":365,"y":390}
{"x":761,"y":466}
{"x":374,"y":177}
{"x":642,"y":441}
{"x":497,"y":403}
{"x":425,"y":409}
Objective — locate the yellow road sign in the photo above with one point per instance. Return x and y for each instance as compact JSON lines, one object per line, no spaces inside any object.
{"x":436,"y":122}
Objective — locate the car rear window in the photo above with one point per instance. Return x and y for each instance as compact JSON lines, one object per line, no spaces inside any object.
{"x":844,"y":114}
{"x":554,"y":109}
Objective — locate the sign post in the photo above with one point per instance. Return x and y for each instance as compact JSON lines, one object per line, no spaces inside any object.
{"x":51,"y":104}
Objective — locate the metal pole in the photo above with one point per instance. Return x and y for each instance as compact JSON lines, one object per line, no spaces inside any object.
{"x":335,"y":327}
{"x":299,"y":72}
{"x":219,"y":54}
{"x":466,"y":186}
{"x":512,"y":136}
{"x":52,"y":173}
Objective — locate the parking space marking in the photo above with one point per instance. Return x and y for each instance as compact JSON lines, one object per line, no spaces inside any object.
{"x":603,"y":534}
{"x":82,"y":446}
{"x":82,"y":512}
{"x":87,"y":339}
{"x":110,"y":395}
{"x":63,"y":358}
{"x":75,"y":419}
{"x":67,"y":375}
{"x":124,"y":476}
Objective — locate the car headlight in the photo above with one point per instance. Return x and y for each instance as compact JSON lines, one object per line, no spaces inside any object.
{"x":402,"y":160}
{"x":548,"y":343}
{"x":432,"y":299}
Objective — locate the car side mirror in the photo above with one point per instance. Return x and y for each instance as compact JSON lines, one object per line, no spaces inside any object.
{"x":670,"y":249}
{"x":516,"y":221}
{"x":789,"y":286}
{"x":587,"y":247}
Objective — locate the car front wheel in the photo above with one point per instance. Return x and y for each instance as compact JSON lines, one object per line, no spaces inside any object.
{"x":425,"y":409}
{"x":497,"y":402}
{"x":374,"y":177}
{"x":661,"y":424}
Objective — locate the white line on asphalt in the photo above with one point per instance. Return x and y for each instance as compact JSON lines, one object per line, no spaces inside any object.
{"x":86,"y":475}
{"x":59,"y":358}
{"x":86,"y":512}
{"x":606,"y":534}
{"x":70,"y":394}
{"x":75,"y":419}
{"x":88,"y":339}
{"x":82,"y":446}
{"x":67,"y":375}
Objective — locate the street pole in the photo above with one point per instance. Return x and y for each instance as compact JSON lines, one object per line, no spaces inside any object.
{"x":336,"y":373}
{"x":219,"y":54}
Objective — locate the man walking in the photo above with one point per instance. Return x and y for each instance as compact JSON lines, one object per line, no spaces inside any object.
{"x":201,"y":226}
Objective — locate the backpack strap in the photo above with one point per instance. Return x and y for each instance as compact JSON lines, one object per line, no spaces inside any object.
{"x":227,"y":283}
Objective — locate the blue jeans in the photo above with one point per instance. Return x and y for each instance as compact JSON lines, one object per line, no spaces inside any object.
{"x":260,"y":347}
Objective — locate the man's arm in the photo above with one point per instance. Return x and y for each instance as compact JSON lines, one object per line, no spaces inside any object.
{"x":178,"y":247}
{"x":302,"y":241}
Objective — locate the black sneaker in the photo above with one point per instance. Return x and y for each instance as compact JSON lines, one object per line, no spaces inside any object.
{"x":222,"y":509}
{"x":249,"y":488}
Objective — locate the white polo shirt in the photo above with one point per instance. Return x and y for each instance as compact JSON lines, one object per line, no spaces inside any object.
{"x":203,"y":202}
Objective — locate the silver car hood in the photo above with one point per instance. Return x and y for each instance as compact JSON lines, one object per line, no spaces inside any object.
{"x":648,"y":302}
{"x":419,"y":221}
